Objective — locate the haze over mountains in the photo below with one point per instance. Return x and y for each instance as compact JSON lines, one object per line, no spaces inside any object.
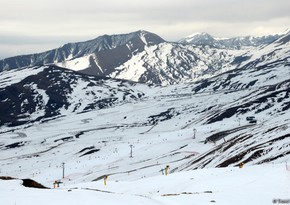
{"x":223,"y":102}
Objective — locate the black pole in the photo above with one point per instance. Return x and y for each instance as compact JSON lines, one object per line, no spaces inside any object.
{"x":63,"y":170}
{"x":194,"y":131}
{"x":131,"y":154}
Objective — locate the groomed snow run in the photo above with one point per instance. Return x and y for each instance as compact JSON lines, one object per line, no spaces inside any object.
{"x":257,"y":185}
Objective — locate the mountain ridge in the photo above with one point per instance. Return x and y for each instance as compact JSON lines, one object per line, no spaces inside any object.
{"x":203,"y":38}
{"x":73,"y":50}
{"x":145,"y":57}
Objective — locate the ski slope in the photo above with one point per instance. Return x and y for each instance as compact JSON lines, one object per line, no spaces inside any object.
{"x":264,"y":184}
{"x":50,"y":116}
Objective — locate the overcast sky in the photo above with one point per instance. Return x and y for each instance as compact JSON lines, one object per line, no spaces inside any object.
{"x":30,"y":26}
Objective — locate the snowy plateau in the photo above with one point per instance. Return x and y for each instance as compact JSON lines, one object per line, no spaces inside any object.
{"x":177,"y":135}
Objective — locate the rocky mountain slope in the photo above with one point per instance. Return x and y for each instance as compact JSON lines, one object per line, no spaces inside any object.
{"x":145,"y":57}
{"x":35,"y":93}
{"x":105,"y":51}
{"x":169,"y":63}
{"x":53,"y":115}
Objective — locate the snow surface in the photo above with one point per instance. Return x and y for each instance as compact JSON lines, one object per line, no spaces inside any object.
{"x":76,"y":64}
{"x":14,"y":76}
{"x":250,"y":185}
{"x":173,"y":63}
{"x":110,"y":131}
{"x":97,"y":143}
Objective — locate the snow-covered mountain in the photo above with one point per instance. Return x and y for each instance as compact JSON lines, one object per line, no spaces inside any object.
{"x":51,"y":115}
{"x":105,"y":51}
{"x":58,"y":124}
{"x":199,"y":38}
{"x":145,"y":57}
{"x":229,"y":43}
{"x":172,"y":63}
{"x":35,"y":93}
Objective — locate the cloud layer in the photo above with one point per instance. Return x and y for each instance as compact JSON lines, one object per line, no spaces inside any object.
{"x":54,"y":22}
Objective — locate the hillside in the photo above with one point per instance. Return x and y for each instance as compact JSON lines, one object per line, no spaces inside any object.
{"x":59,"y":124}
{"x":41,"y":92}
{"x":146,"y":58}
{"x":101,"y":54}
{"x":251,"y":185}
{"x":158,"y":121}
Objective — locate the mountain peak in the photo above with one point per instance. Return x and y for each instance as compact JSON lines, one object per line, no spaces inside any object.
{"x":198,"y":34}
{"x":149,"y":38}
{"x":143,"y":32}
{"x":119,"y":43}
{"x":198,"y":38}
{"x":132,"y":35}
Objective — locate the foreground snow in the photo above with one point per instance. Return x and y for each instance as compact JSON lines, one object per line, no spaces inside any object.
{"x":249,"y":185}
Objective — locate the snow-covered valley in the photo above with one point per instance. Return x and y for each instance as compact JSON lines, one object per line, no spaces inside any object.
{"x":57,"y":124}
{"x":165,"y":126}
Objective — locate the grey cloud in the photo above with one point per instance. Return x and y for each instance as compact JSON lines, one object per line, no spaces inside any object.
{"x":53,"y":21}
{"x":25,"y":40}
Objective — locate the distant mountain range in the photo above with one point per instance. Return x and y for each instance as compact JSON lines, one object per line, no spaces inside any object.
{"x":229,"y":43}
{"x":147,"y":58}
{"x":51,"y":115}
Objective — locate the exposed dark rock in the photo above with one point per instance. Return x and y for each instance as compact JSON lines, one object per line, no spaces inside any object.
{"x":90,"y":152}
{"x":33,"y":184}
{"x":26,"y":182}
{"x":163,"y":116}
{"x":15,"y":145}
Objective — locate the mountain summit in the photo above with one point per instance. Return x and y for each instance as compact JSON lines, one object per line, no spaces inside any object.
{"x":145,"y":57}
{"x":124,"y":44}
{"x":199,"y":39}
